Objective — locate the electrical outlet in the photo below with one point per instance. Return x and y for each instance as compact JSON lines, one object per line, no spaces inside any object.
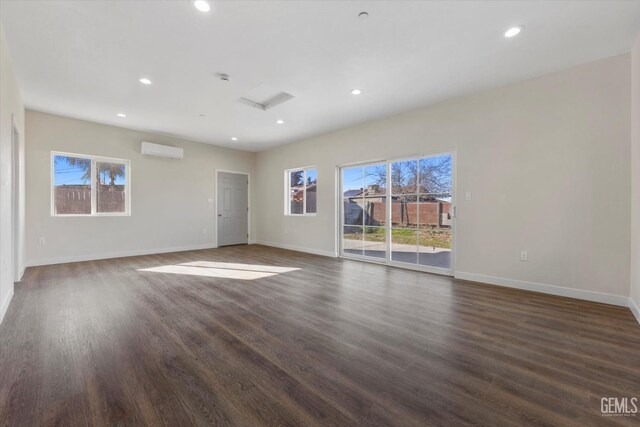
{"x":467,"y":196}
{"x":524,"y":256}
{"x":42,"y":241}
{"x":204,"y":231}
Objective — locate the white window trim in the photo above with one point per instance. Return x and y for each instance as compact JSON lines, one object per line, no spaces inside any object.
{"x":287,"y":191}
{"x":94,"y":160}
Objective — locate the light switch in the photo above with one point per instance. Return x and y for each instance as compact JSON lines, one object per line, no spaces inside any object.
{"x":467,"y":195}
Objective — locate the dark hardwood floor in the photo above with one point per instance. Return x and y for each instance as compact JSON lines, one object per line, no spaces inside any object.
{"x":334,"y":342}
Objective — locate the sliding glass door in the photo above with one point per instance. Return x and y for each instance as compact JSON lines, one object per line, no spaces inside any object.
{"x":399,"y":212}
{"x":364,"y":211}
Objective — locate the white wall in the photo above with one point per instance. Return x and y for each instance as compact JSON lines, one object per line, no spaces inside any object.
{"x":635,"y":179}
{"x":11,"y":111}
{"x":546,"y":160}
{"x":169,"y":199}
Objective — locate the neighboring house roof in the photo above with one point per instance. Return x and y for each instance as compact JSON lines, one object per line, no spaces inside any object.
{"x":365,"y":192}
{"x":369,"y":193}
{"x":298,"y":192}
{"x":353,"y":193}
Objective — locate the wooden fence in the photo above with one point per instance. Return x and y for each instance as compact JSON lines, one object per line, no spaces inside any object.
{"x":434,"y":214}
{"x":76,"y":199}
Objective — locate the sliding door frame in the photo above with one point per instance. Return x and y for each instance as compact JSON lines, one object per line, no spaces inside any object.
{"x":389,"y":206}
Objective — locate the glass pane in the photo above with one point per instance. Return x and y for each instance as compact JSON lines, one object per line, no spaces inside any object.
{"x":353,"y":211}
{"x":404,"y":177}
{"x":404,"y":245}
{"x":404,"y":212}
{"x":312,"y":182}
{"x":429,"y":211}
{"x":110,"y":191}
{"x":434,"y":247}
{"x":353,"y":204}
{"x":352,"y":182}
{"x":375,"y":242}
{"x":72,"y":185}
{"x":352,"y":240}
{"x":375,"y":211}
{"x":375,"y":180}
{"x":434,"y":237}
{"x":435,"y":175}
{"x":296,"y":192}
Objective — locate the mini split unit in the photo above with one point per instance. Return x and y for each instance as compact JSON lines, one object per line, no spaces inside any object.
{"x":158,"y":150}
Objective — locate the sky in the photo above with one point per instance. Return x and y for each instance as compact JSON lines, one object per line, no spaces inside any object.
{"x":360,"y":177}
{"x":312,"y":174}
{"x":355,"y":178}
{"x":65,"y":174}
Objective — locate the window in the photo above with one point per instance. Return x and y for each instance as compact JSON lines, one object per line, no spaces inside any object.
{"x":301,"y":185}
{"x":89,"y":185}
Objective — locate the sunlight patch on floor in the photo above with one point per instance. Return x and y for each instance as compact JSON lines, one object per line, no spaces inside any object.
{"x":245,"y":267}
{"x":224,"y":270}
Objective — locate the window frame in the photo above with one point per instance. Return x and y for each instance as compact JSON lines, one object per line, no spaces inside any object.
{"x":287,"y":191}
{"x":388,"y":260}
{"x":92,"y":183}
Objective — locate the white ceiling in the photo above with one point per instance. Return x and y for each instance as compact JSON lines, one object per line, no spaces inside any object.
{"x":84,"y":58}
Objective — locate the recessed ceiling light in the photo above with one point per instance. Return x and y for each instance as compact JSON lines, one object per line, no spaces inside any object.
{"x":356,"y":92}
{"x":121,"y":115}
{"x":234,"y":139}
{"x":280,"y":121}
{"x":514,"y":31}
{"x":145,"y":81}
{"x":202,"y":5}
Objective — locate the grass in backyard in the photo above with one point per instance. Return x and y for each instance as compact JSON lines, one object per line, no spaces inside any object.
{"x":438,"y":237}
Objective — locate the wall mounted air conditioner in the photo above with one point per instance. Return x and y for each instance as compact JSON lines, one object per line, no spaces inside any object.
{"x":151,"y":149}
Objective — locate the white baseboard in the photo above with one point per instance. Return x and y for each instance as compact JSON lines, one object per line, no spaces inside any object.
{"x":546,"y":289}
{"x":634,"y":309}
{"x":298,"y":248}
{"x":5,"y":305}
{"x":110,"y":255}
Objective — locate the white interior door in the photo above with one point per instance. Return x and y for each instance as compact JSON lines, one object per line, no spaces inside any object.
{"x":233,"y":208}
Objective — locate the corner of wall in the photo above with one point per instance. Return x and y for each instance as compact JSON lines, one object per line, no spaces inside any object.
{"x":634,"y":309}
{"x":635,"y":180}
{"x":5,"y":304}
{"x":11,"y":115}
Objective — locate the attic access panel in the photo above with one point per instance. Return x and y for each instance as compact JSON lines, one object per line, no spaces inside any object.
{"x":264,"y":97}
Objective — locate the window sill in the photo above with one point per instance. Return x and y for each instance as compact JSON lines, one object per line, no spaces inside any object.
{"x":302,"y":215}
{"x":88,"y":215}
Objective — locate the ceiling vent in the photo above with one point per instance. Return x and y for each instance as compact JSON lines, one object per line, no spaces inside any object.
{"x":264,"y":97}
